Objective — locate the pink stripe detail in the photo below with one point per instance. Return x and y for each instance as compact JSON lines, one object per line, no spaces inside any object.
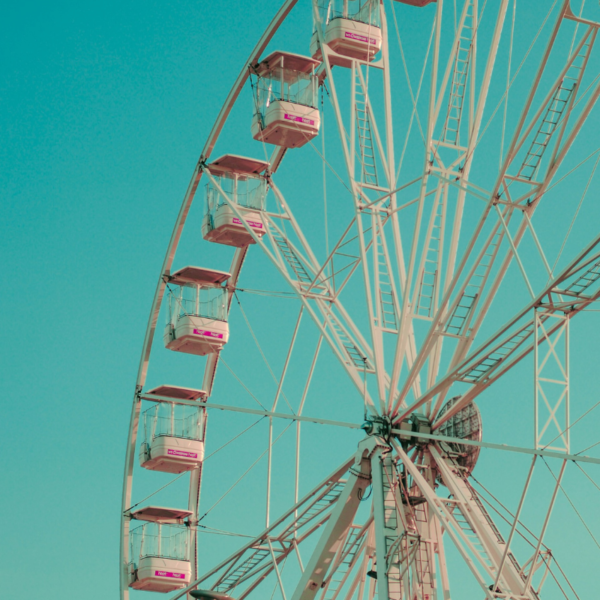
{"x":360,"y":38}
{"x":207,"y":333}
{"x":182,"y":453}
{"x":251,"y":223}
{"x":169,"y":574}
{"x":299,"y":119}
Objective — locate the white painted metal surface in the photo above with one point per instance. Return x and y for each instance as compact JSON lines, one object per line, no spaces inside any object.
{"x":411,"y":351}
{"x":286,"y":124}
{"x":172,"y":454}
{"x":224,"y":227}
{"x":286,"y":111}
{"x":196,"y":335}
{"x":161,"y":574}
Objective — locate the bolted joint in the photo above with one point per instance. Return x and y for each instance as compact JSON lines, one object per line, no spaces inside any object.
{"x":415,"y":423}
{"x":420,"y":424}
{"x":378,"y":426}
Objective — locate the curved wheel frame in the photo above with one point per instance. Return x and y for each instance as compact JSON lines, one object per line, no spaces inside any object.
{"x":405,"y":375}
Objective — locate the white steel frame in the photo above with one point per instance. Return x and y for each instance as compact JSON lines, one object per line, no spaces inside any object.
{"x":409,"y":284}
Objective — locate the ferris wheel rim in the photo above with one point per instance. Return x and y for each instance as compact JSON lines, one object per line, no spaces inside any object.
{"x":159,"y":292}
{"x":181,"y":220}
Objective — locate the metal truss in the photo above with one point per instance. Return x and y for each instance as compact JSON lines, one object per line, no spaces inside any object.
{"x":211,"y":364}
{"x":551,"y":373}
{"x":447,"y":168}
{"x":370,"y":164}
{"x":548,"y":132}
{"x":249,"y":566}
{"x":578,"y":283}
{"x":301,"y":270}
{"x":398,"y":552}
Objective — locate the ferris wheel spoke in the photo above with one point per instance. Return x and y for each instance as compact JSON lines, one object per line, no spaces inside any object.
{"x":349,"y":557}
{"x":253,"y":562}
{"x":300,"y":268}
{"x":450,"y":163}
{"x":550,"y":123}
{"x":548,"y":128}
{"x":428,"y":295}
{"x":251,"y":411}
{"x":373,"y":215}
{"x":467,"y":523}
{"x":509,"y":575}
{"x":277,"y":380}
{"x":466,"y":342}
{"x":312,"y":284}
{"x":575,"y":288}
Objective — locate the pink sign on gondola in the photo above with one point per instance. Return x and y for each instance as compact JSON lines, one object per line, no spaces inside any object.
{"x":169,"y":574}
{"x":251,"y":223}
{"x":207,"y":333}
{"x":305,"y":120}
{"x":182,"y":453}
{"x":359,"y":38}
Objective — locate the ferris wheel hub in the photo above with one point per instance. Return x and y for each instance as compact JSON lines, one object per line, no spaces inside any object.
{"x":377,"y":426}
{"x":416,"y":423}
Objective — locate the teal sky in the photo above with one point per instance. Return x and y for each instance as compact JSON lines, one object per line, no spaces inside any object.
{"x":105,"y":110}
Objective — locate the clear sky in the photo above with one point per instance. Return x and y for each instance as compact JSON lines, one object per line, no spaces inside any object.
{"x":104,"y":111}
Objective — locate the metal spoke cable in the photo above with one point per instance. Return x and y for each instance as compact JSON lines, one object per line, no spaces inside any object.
{"x":572,"y":505}
{"x":156,"y":492}
{"x":414,"y":112}
{"x":329,"y":165}
{"x":585,"y":191}
{"x":234,"y":438}
{"x":324,"y":174}
{"x":576,"y":29}
{"x":455,"y":18}
{"x":514,"y":77}
{"x":586,"y":449}
{"x":574,"y":422}
{"x":244,"y":474}
{"x":587,"y":89}
{"x":565,"y":576}
{"x":262,"y":353}
{"x":510,"y":51}
{"x":572,"y":170}
{"x":270,"y":293}
{"x":481,"y":15}
{"x":508,"y":522}
{"x":346,"y":136}
{"x":544,"y":559}
{"x":213,"y":530}
{"x":509,"y":513}
{"x":242,"y":383}
{"x":205,"y":459}
{"x":585,"y":473}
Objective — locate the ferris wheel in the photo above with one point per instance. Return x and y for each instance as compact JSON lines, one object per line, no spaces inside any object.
{"x":418,"y":278}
